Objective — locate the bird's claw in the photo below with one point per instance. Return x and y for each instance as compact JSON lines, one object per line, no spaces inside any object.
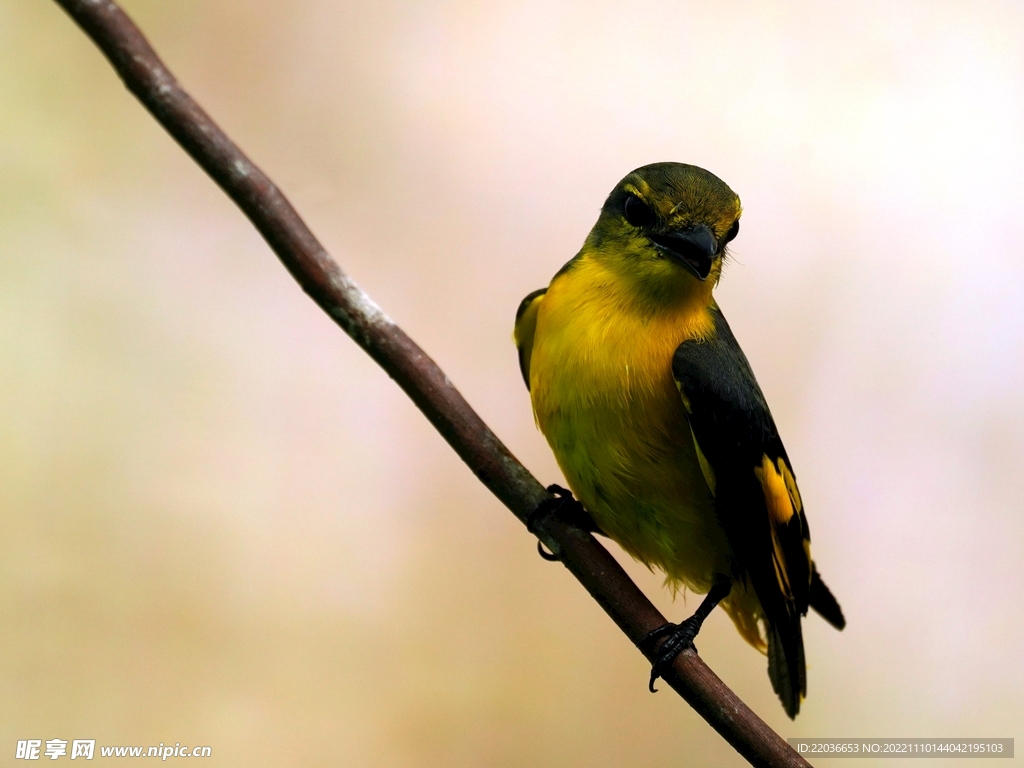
{"x":565,"y":507}
{"x":678,"y":637}
{"x":551,"y":557}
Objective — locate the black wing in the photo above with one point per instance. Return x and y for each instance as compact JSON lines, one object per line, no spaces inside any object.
{"x":756,"y":496}
{"x":526,"y":322}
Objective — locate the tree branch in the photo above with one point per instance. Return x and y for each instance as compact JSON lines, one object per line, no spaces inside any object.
{"x":321,"y":277}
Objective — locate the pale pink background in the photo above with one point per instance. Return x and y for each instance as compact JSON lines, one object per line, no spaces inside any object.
{"x":222,"y":524}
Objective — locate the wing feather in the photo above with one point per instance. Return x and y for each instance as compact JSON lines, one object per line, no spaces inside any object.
{"x":756,"y":494}
{"x":526,"y":324}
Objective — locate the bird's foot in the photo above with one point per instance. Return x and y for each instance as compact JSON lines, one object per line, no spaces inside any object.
{"x":565,"y":508}
{"x":678,"y":637}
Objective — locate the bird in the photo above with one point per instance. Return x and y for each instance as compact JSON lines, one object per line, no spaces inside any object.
{"x":660,"y":428}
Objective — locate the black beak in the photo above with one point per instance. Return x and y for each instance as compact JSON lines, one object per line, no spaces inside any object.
{"x":695,"y":248}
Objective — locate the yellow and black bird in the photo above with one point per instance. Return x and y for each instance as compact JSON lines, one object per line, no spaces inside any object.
{"x":658,"y":424}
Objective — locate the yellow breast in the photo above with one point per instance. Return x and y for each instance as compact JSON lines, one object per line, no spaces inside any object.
{"x":604,"y":397}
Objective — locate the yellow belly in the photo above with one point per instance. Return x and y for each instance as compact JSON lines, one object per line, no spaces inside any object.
{"x":603,"y":395}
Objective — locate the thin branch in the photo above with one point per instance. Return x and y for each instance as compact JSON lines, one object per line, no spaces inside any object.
{"x":321,"y":277}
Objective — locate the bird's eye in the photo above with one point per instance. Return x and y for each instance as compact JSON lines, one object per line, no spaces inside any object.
{"x":637,"y":212}
{"x":733,"y":231}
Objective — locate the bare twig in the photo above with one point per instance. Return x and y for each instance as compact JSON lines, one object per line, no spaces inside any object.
{"x":322,"y":278}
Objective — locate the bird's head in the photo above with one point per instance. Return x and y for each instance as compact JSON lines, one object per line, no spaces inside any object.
{"x":667,"y":225}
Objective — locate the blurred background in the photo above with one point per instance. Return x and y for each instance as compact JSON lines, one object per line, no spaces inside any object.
{"x":221,"y":524}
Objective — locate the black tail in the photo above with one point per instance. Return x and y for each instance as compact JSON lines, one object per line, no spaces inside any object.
{"x":821,"y":600}
{"x":786,"y":667}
